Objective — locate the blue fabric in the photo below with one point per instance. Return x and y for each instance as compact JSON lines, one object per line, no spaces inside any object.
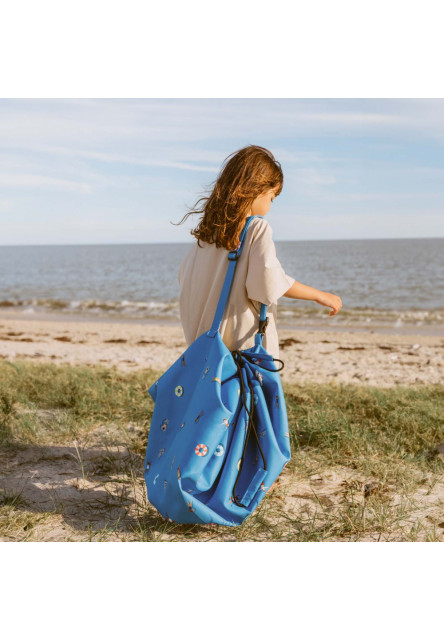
{"x":218,"y":436}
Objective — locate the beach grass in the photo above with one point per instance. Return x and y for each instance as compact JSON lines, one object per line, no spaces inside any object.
{"x":367,"y":462}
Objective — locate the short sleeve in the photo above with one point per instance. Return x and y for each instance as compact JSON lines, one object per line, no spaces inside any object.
{"x":266,"y":279}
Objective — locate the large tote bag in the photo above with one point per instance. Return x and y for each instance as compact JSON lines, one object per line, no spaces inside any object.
{"x":218,"y":436}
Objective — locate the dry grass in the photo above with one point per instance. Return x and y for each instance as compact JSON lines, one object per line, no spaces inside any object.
{"x":366,"y":462}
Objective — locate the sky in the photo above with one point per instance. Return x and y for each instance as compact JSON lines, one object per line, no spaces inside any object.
{"x":111,"y":171}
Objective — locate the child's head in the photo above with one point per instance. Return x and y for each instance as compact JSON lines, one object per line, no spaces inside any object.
{"x":246,"y":185}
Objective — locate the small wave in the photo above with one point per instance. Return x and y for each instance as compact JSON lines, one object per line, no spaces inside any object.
{"x":127,"y":308}
{"x":290,"y":313}
{"x":363,"y":316}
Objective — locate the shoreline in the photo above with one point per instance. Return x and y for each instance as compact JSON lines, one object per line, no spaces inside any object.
{"x":436,"y":330}
{"x":313,"y":354}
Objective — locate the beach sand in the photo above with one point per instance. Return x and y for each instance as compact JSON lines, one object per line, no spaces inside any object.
{"x":310,"y":355}
{"x":55,"y":475}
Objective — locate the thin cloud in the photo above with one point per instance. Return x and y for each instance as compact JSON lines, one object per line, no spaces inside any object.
{"x":175,"y":121}
{"x":148,"y":158}
{"x":312,"y":177}
{"x":384,"y":196}
{"x":15,"y":180}
{"x":118,"y":158}
{"x":131,"y":160}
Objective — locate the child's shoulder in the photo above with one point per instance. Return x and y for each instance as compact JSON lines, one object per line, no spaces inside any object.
{"x":260,"y":227}
{"x":259,"y":222}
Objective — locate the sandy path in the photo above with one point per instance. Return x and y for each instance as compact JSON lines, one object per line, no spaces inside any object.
{"x":309,"y":355}
{"x":95,"y":492}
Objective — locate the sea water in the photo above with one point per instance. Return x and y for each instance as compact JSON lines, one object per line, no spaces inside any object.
{"x":394,"y":283}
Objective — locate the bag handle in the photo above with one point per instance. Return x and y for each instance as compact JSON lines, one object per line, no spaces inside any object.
{"x":233,"y":257}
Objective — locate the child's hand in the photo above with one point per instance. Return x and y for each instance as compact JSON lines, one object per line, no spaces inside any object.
{"x":329,"y":300}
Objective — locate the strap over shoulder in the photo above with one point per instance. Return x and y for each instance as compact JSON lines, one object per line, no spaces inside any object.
{"x":233,"y":257}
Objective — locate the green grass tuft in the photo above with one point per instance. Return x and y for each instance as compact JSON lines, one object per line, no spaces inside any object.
{"x":88,"y":427}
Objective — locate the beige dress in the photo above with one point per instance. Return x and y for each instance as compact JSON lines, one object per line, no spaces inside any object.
{"x":258,"y":278}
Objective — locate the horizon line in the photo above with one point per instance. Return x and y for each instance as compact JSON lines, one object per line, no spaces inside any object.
{"x":126,"y":244}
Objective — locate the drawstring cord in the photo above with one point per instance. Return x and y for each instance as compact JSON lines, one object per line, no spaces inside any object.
{"x":254,"y":358}
{"x":238,"y":356}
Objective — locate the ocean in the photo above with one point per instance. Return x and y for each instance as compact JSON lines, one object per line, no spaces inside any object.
{"x":392,"y":283}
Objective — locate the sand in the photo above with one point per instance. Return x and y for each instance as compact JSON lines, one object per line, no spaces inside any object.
{"x":94,"y":492}
{"x":321,"y":355}
{"x":71,"y":485}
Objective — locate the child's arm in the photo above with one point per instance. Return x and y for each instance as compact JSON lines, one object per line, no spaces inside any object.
{"x":266,"y":279}
{"x":304,"y":292}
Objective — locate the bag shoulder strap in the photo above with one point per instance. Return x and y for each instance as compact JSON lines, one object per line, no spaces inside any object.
{"x":233,"y":257}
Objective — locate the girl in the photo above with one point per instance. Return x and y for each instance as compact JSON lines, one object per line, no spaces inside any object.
{"x":248,"y":182}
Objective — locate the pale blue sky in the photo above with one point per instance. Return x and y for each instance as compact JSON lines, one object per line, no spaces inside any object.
{"x":118,"y":170}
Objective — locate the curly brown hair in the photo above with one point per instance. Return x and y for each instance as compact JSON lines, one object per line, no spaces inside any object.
{"x":245,"y":175}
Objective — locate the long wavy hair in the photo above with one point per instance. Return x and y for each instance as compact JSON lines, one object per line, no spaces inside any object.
{"x":245,"y":175}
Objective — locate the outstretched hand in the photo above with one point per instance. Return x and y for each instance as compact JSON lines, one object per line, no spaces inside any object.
{"x":330,"y":300}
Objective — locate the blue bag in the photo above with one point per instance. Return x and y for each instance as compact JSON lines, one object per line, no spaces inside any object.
{"x":218,"y":436}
